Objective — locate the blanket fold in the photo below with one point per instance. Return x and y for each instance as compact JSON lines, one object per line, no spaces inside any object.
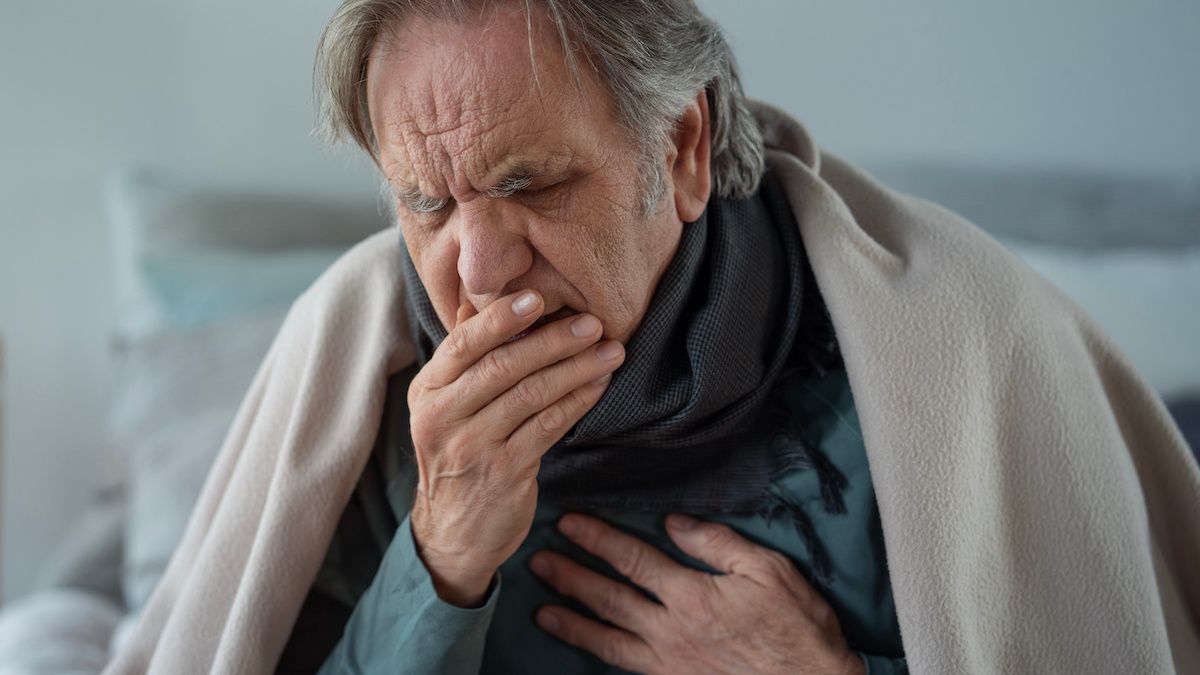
{"x":1038,"y":504}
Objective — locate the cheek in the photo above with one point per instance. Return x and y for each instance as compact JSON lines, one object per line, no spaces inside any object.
{"x":591,"y":249}
{"x":436,"y":260}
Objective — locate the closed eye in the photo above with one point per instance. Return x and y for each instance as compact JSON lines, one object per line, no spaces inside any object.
{"x":510,"y":185}
{"x":419,"y":202}
{"x":425,"y":204}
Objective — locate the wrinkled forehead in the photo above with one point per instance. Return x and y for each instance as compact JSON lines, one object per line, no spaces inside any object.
{"x":455,"y":97}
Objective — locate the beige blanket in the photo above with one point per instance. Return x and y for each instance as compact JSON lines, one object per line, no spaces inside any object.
{"x":1041,"y":512}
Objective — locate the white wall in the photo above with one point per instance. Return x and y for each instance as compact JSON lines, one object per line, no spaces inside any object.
{"x":220,"y":90}
{"x":1091,"y":83}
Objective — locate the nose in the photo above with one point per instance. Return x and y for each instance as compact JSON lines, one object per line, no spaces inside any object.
{"x":492,"y":253}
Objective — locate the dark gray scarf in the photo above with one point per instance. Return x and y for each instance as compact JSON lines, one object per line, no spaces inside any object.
{"x":685,"y":425}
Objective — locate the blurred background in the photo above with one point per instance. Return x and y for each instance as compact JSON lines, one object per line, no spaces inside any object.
{"x":162,"y":199}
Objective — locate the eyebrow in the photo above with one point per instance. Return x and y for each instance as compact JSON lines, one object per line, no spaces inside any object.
{"x":517,"y":180}
{"x":420,"y":202}
{"x":520,"y":177}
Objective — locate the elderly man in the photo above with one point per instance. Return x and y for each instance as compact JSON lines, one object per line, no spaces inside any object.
{"x":550,"y":226}
{"x":593,"y":414}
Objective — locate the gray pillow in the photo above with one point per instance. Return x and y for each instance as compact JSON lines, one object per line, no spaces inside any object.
{"x":89,"y":556}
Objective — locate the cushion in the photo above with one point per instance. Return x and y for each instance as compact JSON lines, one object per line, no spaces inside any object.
{"x":176,"y":396}
{"x":58,"y":631}
{"x":196,"y":287}
{"x":89,"y":555}
{"x":186,"y":253}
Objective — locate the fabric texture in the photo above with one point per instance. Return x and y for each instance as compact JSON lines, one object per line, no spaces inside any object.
{"x":731,"y":297}
{"x":177,"y":392}
{"x":424,"y":633}
{"x":1037,"y":503}
{"x":849,"y":542}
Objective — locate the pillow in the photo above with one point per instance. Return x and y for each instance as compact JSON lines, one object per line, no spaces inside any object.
{"x":176,"y":396}
{"x":192,"y":288}
{"x":1147,"y":300}
{"x":88,"y":556}
{"x":56,"y":630}
{"x":186,"y":253}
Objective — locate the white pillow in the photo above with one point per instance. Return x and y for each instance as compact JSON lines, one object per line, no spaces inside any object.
{"x":63,"y":631}
{"x":1147,"y":300}
{"x":176,"y":396}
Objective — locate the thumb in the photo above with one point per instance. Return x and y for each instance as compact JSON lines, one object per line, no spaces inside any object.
{"x":717,"y":545}
{"x":465,"y":311}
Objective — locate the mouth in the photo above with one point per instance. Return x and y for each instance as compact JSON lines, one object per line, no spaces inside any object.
{"x":543,"y":320}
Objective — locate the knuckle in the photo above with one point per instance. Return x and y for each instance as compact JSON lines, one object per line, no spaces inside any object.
{"x":717,"y":535}
{"x":577,"y":401}
{"x":549,"y":422}
{"x":611,"y":606}
{"x":525,"y":397}
{"x":421,"y":429}
{"x":457,"y":344}
{"x":632,"y":563}
{"x":494,"y":323}
{"x":611,"y":649}
{"x":578,"y":367}
{"x":497,"y":365}
{"x":775,"y":567}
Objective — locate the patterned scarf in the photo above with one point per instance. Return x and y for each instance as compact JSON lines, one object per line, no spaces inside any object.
{"x":717,"y":337}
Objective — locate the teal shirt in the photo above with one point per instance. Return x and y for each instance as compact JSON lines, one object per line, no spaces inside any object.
{"x":374,"y":598}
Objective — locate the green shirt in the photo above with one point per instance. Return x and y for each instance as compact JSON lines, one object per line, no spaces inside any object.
{"x":373,"y":607}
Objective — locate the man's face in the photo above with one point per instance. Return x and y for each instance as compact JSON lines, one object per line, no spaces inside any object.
{"x":540,"y":183}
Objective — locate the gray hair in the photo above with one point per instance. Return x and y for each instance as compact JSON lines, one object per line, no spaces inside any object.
{"x":653,"y":56}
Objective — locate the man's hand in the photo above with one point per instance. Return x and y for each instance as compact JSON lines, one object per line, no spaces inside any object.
{"x":482,"y":413}
{"x":760,"y":616}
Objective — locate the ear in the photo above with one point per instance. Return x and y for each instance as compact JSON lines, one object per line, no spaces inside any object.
{"x":690,"y":170}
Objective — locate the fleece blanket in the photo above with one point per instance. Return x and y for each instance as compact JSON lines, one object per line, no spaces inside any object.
{"x":1039,"y":507}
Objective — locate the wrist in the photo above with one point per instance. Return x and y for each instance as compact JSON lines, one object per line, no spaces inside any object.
{"x":463,"y":584}
{"x":467,"y":592}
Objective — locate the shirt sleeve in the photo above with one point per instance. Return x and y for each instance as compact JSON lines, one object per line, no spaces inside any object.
{"x":884,"y":665}
{"x":400,"y":625}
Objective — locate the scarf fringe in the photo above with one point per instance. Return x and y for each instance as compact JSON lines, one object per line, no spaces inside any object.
{"x":822,"y":568}
{"x":794,"y":453}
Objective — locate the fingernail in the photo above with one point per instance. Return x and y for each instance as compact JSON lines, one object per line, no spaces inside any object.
{"x":680,"y":522}
{"x":609,"y":351}
{"x":547,"y":620}
{"x":540,"y":566}
{"x":603,"y":379}
{"x":585,"y":325}
{"x":524,"y":304}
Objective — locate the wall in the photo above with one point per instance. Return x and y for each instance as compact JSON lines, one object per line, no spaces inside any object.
{"x":216,"y":90}
{"x":1084,"y":83}
{"x":220,"y":90}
